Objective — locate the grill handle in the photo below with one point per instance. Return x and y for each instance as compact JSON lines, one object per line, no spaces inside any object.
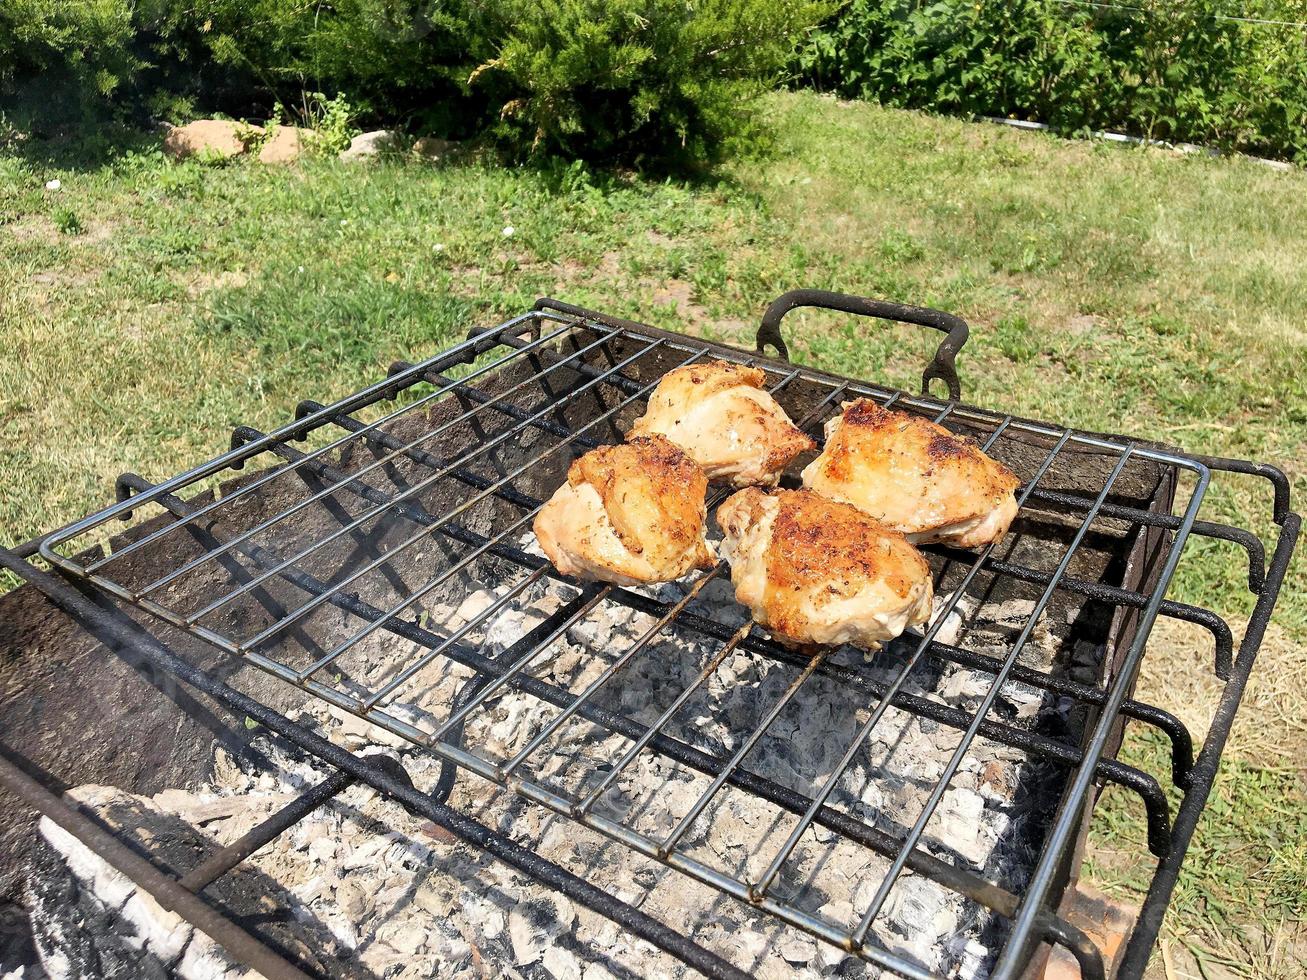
{"x":942,"y":367}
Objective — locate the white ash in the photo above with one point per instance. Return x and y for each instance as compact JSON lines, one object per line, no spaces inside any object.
{"x":410,"y":900}
{"x":147,"y":928}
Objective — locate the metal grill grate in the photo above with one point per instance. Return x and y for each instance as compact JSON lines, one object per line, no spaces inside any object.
{"x":301,"y":566}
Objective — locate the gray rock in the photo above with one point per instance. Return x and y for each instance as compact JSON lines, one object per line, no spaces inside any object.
{"x":366,"y":146}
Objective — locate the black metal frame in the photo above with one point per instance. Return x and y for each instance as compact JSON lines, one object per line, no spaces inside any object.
{"x":531,"y":335}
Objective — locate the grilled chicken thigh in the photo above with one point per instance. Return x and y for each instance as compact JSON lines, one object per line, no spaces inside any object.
{"x":720,"y":415}
{"x":915,"y":476}
{"x":818,"y":571}
{"x":628,"y":514}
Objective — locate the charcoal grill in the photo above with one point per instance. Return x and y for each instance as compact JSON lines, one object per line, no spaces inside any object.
{"x":352,"y":520}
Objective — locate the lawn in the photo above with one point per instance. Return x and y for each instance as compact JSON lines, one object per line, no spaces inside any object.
{"x":147,"y":307}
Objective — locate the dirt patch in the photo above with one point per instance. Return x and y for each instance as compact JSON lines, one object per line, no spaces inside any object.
{"x":572,"y":270}
{"x":94,"y":233}
{"x":49,"y":281}
{"x":678,"y":293}
{"x":37,"y":228}
{"x":1081,"y":325}
{"x":204,"y":282}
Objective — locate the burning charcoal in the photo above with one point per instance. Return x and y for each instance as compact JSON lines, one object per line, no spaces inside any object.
{"x":352,"y":732}
{"x":510,"y":626}
{"x":385,"y":959}
{"x":973,"y":956}
{"x":403,"y":936}
{"x":518,"y":718}
{"x":607,"y":627}
{"x":561,"y":964}
{"x":454,"y":949}
{"x":353,"y":899}
{"x":160,"y":934}
{"x":918,"y":908}
{"x":1011,"y":615}
{"x":205,"y":958}
{"x":489,"y":917}
{"x":799,"y":950}
{"x":471,"y":607}
{"x":1026,"y":701}
{"x":322,"y":849}
{"x":962,"y":686}
{"x":533,"y":926}
{"x":830,"y":957}
{"x":569,"y":662}
{"x":438,"y":895}
{"x":960,"y":825}
{"x":997,"y":782}
{"x":958,"y":615}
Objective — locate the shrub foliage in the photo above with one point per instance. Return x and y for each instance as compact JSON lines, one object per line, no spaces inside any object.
{"x":628,"y":79}
{"x":1182,"y":70}
{"x":636,"y":77}
{"x":87,"y":42}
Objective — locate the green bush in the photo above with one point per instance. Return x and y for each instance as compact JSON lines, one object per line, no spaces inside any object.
{"x":634,"y":78}
{"x":391,"y":57}
{"x":67,"y":47}
{"x":598,"y":79}
{"x":1181,"y":70}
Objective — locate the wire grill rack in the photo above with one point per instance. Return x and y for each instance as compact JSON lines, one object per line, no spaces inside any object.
{"x":551,"y":384}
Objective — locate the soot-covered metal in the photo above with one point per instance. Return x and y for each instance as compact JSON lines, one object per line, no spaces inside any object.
{"x":919,"y":811}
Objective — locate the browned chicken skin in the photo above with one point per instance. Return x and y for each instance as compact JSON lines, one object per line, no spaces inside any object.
{"x":915,"y":476}
{"x":816,"y":571}
{"x":721,"y":416}
{"x":628,"y":514}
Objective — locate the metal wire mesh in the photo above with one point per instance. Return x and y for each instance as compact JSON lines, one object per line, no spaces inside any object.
{"x":354,"y":537}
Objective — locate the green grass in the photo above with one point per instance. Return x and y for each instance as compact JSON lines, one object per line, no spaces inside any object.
{"x":148,"y":307}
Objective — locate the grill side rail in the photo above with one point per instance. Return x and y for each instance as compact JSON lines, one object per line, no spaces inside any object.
{"x":552,"y":383}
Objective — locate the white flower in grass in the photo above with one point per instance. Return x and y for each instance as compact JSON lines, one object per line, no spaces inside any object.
{"x":53,"y":185}
{"x":438,"y":247}
{"x":344,"y":222}
{"x":509,"y":230}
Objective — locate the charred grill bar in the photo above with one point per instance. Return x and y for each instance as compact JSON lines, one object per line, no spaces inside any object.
{"x":297,"y":567}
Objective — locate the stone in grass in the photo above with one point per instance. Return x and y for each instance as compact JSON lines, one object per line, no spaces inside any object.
{"x":214,"y":137}
{"x":286,"y":144}
{"x":367,"y":146}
